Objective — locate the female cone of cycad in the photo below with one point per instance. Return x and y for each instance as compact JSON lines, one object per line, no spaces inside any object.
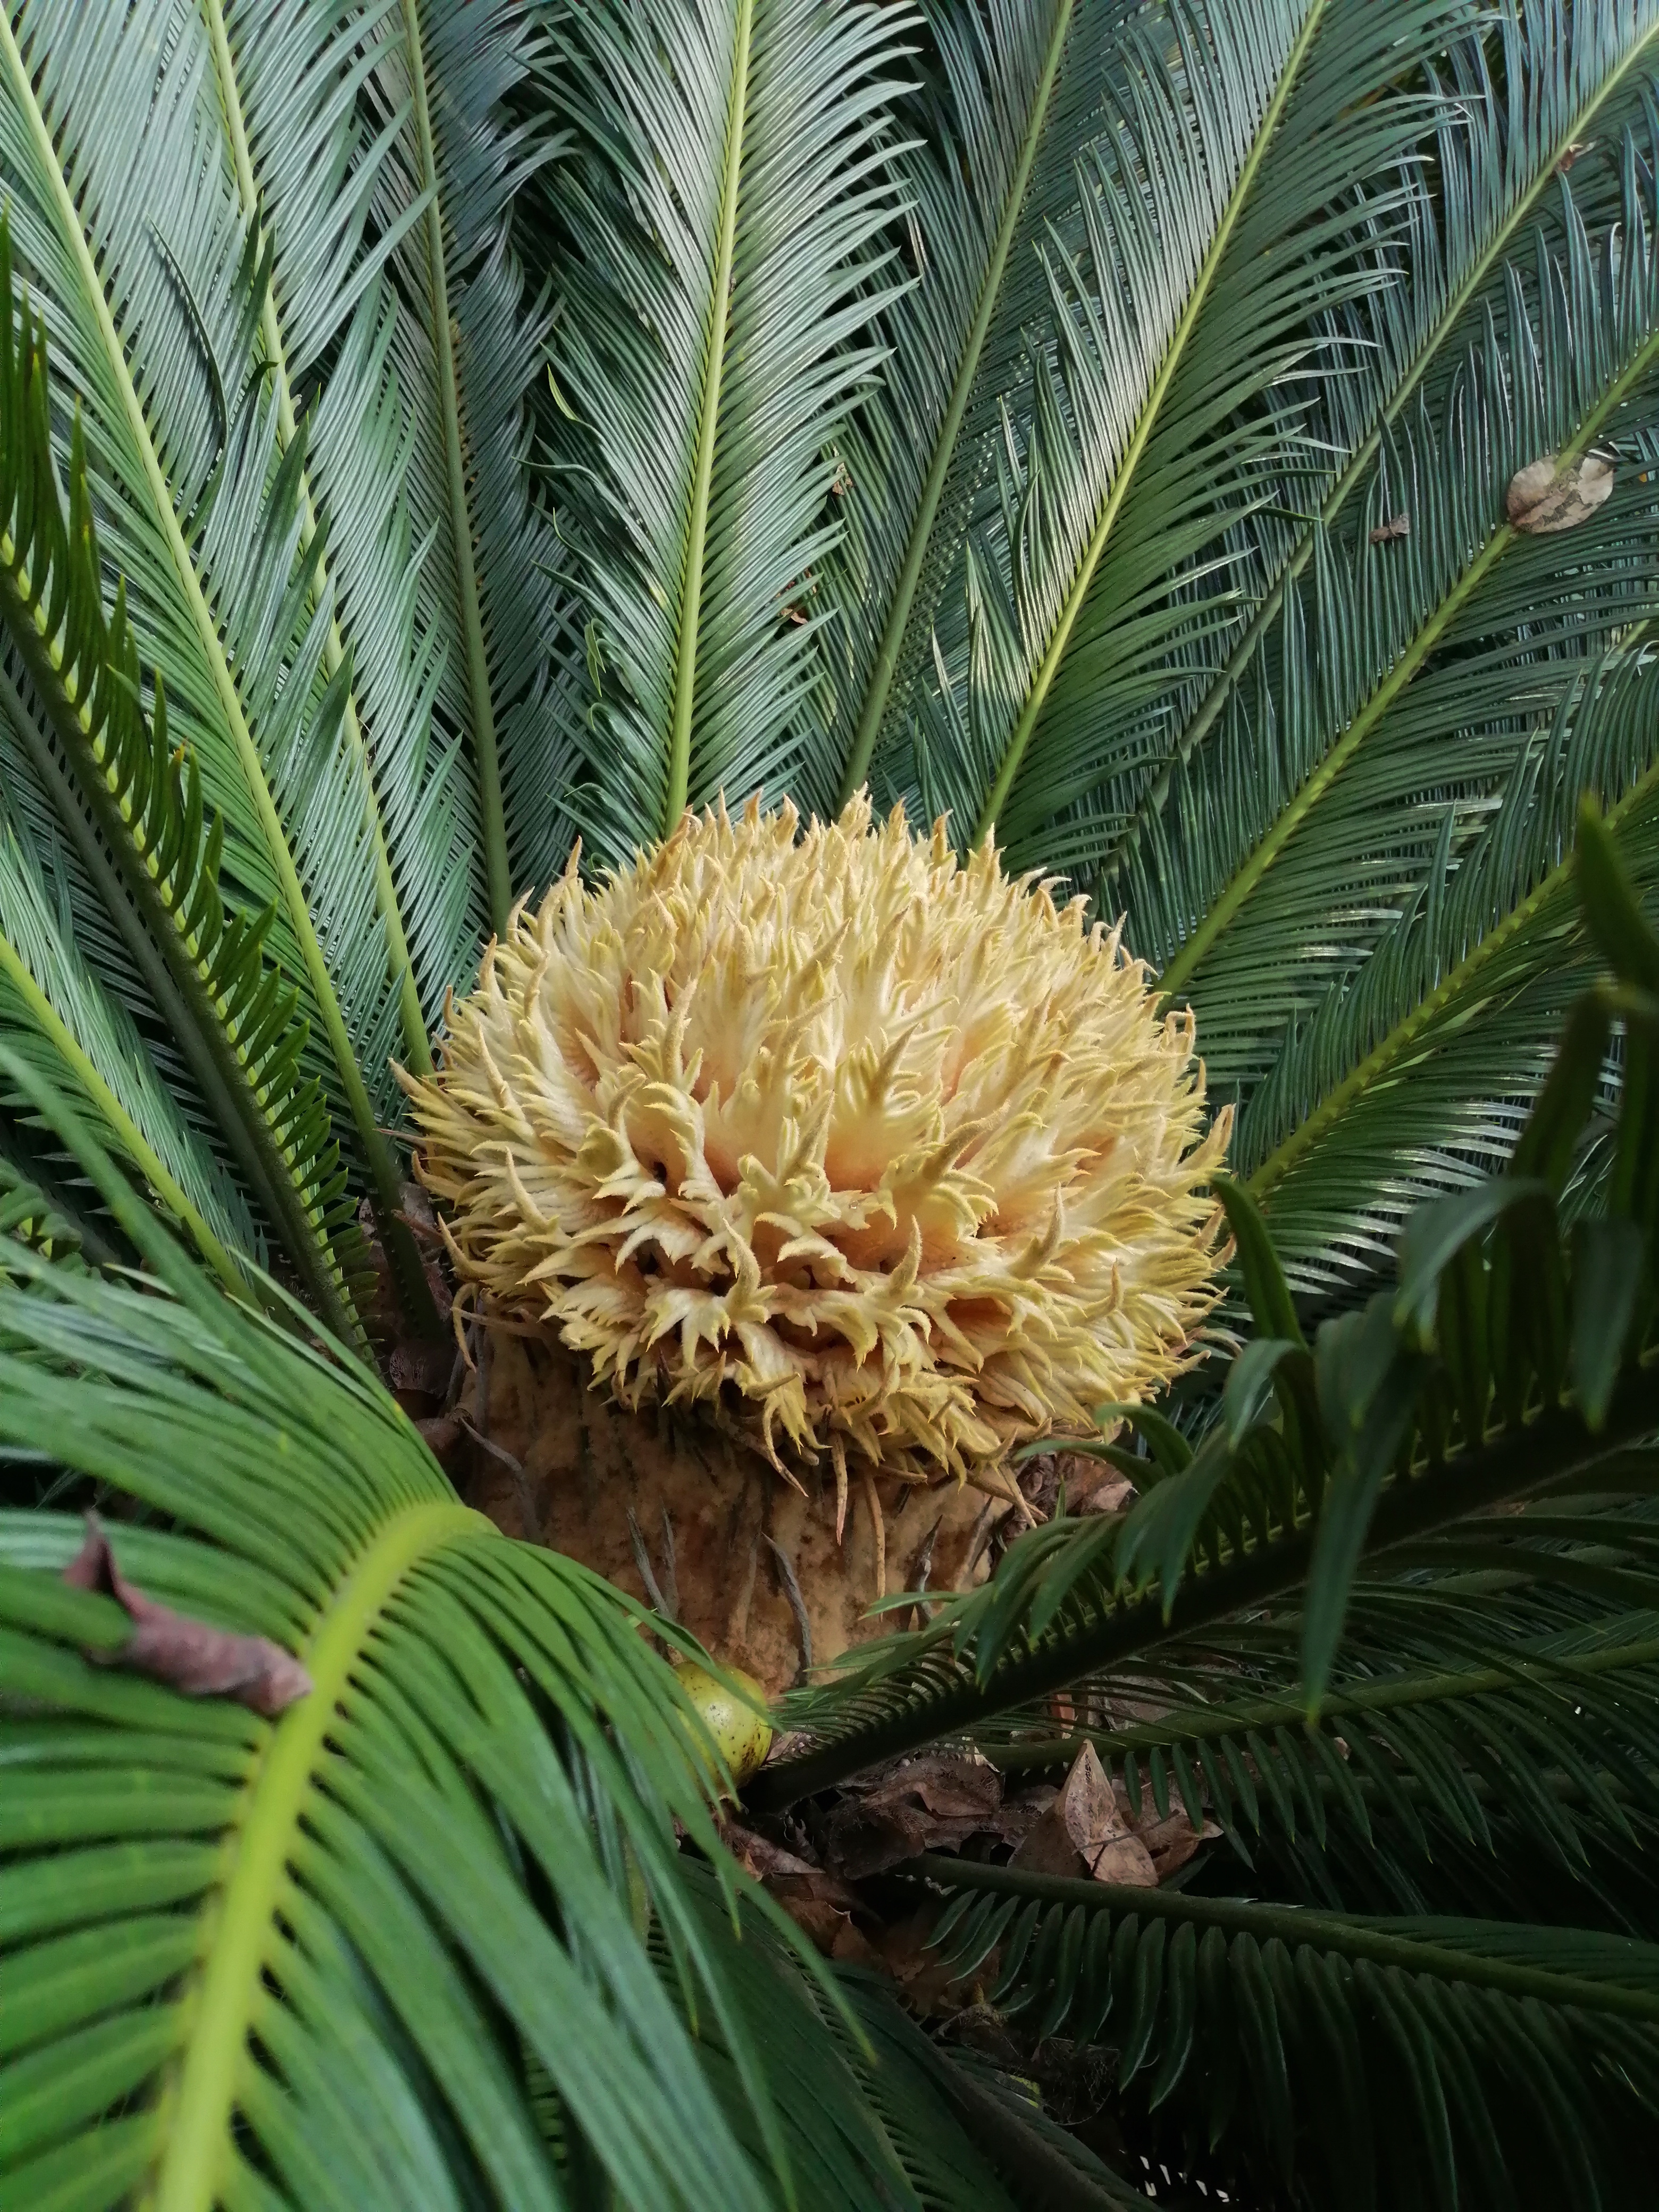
{"x":877,"y":1156}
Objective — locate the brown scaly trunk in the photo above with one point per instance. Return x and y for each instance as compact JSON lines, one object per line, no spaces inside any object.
{"x":566,"y":1467}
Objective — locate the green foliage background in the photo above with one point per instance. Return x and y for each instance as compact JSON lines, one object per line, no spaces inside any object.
{"x":433,"y":430}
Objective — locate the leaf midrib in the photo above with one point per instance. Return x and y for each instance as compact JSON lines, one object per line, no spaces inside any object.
{"x":486,"y":752}
{"x":1400,"y":1038}
{"x":202,"y":2106}
{"x":696,"y":529}
{"x":880,"y":684}
{"x":206,"y":628}
{"x":176,"y":987}
{"x":1294,"y":1923}
{"x":400,"y":967}
{"x":1049,"y":666}
{"x":1238,"y":660}
{"x":1383,"y":1696}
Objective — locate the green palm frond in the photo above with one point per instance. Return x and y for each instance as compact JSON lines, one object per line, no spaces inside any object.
{"x":725,"y":185}
{"x":1519,"y":2060}
{"x":49,"y":998}
{"x":1429,"y":778}
{"x":1192,"y":243}
{"x":1526,"y":109}
{"x":277,"y":1935}
{"x":919,"y":2091}
{"x":1464,"y":1742}
{"x":134,"y":809}
{"x":125,"y":219}
{"x":304,"y":167}
{"x":467,"y":349}
{"x":867,"y":2103}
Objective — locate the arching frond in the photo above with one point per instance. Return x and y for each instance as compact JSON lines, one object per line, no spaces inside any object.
{"x":1409,"y":2062}
{"x":467,"y":347}
{"x":304,"y":167}
{"x":426,"y":1859}
{"x":725,"y":182}
{"x":1203,"y":227}
{"x":132,"y":808}
{"x":50,"y":997}
{"x":126,"y":219}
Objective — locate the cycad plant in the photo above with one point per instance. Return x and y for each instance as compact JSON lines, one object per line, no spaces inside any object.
{"x":1202,"y":451}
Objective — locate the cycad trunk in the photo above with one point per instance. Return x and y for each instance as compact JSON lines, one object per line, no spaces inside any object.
{"x":566,"y":1467}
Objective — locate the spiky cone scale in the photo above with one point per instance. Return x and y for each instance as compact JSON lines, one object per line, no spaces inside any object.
{"x":875,"y":1155}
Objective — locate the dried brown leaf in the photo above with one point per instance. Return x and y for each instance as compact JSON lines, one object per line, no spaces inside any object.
{"x":188,"y":1654}
{"x":818,"y":1902}
{"x":1083,"y":1832}
{"x":1173,"y":1842}
{"x":1544,"y":497}
{"x":923,"y":1805}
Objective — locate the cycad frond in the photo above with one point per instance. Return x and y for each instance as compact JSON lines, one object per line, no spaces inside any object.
{"x":133,"y":809}
{"x":1418,"y":683}
{"x":49,"y":994}
{"x":428,"y":1868}
{"x":125,"y":217}
{"x":864,"y":2100}
{"x":467,"y":349}
{"x":1308,"y":2033}
{"x":304,"y":167}
{"x":1566,"y":74}
{"x":725,"y":182}
{"x":1458,"y":1741}
{"x":1198,"y":231}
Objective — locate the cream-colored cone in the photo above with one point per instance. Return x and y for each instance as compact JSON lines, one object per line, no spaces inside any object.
{"x":870,"y":1152}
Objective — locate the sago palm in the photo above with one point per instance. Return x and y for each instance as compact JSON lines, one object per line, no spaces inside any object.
{"x":1199,"y":455}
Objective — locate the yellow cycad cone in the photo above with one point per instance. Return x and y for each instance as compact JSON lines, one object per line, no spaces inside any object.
{"x":864,"y":1149}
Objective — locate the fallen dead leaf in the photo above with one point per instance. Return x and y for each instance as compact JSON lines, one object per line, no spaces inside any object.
{"x":919,"y":1806}
{"x":1171,"y":1843}
{"x":1089,"y":1485}
{"x":187,"y":1654}
{"x":1115,"y":1495}
{"x":1084,"y":1833}
{"x":818,"y":1902}
{"x":1544,"y":497}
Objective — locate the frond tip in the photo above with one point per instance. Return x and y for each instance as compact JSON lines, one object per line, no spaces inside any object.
{"x":850,"y":1144}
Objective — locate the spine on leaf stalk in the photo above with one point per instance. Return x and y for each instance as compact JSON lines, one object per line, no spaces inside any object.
{"x":131,"y":804}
